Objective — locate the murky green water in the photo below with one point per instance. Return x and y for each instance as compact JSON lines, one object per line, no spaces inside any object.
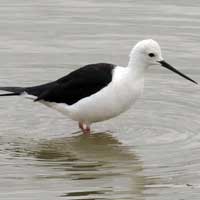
{"x":151,"y":152}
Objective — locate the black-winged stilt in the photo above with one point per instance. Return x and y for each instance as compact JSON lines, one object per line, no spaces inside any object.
{"x":101,"y":91}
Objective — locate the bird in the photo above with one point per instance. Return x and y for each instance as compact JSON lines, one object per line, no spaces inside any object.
{"x":100,"y":91}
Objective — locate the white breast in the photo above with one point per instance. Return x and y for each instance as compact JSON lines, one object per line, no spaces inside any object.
{"x":109,"y":102}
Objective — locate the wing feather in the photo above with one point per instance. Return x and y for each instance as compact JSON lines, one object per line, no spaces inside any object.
{"x":76,"y":85}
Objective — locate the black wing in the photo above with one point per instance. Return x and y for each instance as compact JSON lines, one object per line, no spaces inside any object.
{"x":76,"y":85}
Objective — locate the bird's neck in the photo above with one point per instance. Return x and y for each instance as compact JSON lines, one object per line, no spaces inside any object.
{"x":137,"y":68}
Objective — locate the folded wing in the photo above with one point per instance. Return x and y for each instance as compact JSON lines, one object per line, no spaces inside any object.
{"x":71,"y":88}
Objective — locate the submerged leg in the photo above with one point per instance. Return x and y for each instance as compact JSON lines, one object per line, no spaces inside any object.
{"x":85,"y":128}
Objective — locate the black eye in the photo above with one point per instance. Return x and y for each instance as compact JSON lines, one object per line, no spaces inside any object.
{"x":151,"y":54}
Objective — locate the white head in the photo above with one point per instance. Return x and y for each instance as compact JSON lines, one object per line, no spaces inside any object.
{"x":146,"y":53}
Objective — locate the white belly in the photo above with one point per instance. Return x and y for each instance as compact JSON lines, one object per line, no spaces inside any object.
{"x":101,"y":106}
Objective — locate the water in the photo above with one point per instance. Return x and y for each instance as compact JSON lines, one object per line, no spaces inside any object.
{"x":150,"y":152}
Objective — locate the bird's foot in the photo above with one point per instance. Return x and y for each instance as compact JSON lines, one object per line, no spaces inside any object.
{"x":85,"y":128}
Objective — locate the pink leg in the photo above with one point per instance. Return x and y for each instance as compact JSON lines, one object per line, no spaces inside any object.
{"x":84,"y":127}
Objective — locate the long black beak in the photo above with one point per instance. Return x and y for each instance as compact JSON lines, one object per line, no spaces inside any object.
{"x":168,"y":66}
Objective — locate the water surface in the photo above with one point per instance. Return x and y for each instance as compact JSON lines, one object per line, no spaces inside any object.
{"x":150,"y":152}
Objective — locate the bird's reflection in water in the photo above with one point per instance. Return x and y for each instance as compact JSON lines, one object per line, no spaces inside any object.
{"x":97,"y":165}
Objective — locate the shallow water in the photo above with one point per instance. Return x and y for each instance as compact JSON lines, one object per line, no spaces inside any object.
{"x":150,"y":152}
